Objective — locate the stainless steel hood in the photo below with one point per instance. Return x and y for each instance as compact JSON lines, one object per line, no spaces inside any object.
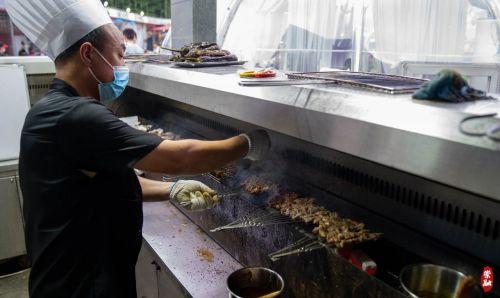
{"x":417,"y":137}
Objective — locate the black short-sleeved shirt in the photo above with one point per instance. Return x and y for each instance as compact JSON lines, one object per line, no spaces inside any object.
{"x":82,"y":200}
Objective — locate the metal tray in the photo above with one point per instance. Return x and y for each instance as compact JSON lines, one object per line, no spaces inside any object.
{"x":373,"y":81}
{"x":207,"y":64}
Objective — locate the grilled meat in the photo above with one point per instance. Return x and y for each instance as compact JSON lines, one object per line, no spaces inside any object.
{"x":195,"y":53}
{"x":203,"y":52}
{"x":225,"y":172}
{"x":142,"y":127}
{"x":167,"y":135}
{"x":199,"y":45}
{"x":256,"y":186}
{"x":336,"y":230}
{"x":157,"y":131}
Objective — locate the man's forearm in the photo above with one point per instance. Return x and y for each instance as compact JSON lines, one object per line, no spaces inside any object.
{"x":193,"y":156}
{"x":202,"y":156}
{"x":154,"y":190}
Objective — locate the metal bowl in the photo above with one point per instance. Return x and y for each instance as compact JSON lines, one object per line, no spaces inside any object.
{"x":254,"y":282}
{"x":429,"y":281}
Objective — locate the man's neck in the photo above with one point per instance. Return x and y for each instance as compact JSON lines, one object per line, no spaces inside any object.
{"x":79,"y":79}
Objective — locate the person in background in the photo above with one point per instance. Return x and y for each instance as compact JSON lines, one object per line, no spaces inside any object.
{"x":24,"y":49}
{"x":156,"y":48}
{"x":150,"y":41}
{"x":131,"y":46}
{"x":3,"y":49}
{"x":160,"y":37}
{"x":33,"y":49}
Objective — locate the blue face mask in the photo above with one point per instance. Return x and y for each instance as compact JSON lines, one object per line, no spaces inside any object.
{"x":112,"y":90}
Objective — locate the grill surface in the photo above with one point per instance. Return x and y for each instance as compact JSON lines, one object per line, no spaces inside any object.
{"x":422,"y":221}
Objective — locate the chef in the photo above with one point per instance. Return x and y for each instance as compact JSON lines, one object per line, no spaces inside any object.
{"x":82,"y":199}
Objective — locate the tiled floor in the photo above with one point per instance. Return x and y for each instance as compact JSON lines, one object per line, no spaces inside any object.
{"x":14,"y":285}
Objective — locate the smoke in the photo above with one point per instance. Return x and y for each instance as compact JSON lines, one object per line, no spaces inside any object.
{"x":269,"y":171}
{"x":176,"y":122}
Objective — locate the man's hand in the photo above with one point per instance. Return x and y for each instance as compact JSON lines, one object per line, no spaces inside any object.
{"x":193,"y":195}
{"x":258,"y":144}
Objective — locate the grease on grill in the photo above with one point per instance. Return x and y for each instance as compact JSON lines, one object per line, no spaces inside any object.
{"x":205,"y":255}
{"x":336,"y":230}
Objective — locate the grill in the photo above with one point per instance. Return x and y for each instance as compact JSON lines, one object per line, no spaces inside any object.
{"x":421,"y":220}
{"x":371,"y":81}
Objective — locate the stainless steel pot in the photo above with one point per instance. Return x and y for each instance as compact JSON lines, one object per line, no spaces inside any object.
{"x":254,"y":282}
{"x":430,"y":281}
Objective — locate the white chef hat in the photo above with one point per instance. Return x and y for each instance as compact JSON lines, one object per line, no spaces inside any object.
{"x":55,"y":25}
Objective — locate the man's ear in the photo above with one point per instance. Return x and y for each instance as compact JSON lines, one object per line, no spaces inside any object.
{"x":86,"y":53}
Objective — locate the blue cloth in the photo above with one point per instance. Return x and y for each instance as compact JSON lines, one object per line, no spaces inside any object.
{"x":449,"y":86}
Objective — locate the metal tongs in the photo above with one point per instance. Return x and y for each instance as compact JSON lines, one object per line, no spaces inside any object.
{"x":169,"y":49}
{"x":304,"y":244}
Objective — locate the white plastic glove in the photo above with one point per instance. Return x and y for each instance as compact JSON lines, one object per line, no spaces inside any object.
{"x":258,"y":144}
{"x":193,"y":195}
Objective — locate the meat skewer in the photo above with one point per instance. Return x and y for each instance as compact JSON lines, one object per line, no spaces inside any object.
{"x":256,"y":186}
{"x":224,"y":173}
{"x":202,"y":52}
{"x":168,"y":135}
{"x":171,"y":50}
{"x":329,"y":225}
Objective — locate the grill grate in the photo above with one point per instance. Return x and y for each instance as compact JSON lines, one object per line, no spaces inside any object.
{"x":450,"y":215}
{"x":372,"y":81}
{"x":479,"y":224}
{"x":412,"y":198}
{"x":205,"y":122}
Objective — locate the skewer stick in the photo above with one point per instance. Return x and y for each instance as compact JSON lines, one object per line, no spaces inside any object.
{"x":212,"y":177}
{"x":168,"y":49}
{"x":256,"y":218}
{"x":304,"y":244}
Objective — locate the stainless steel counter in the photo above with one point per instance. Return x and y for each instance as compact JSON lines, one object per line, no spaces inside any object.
{"x":176,"y":240}
{"x":8,"y":167}
{"x":11,"y":219}
{"x":417,"y":137}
